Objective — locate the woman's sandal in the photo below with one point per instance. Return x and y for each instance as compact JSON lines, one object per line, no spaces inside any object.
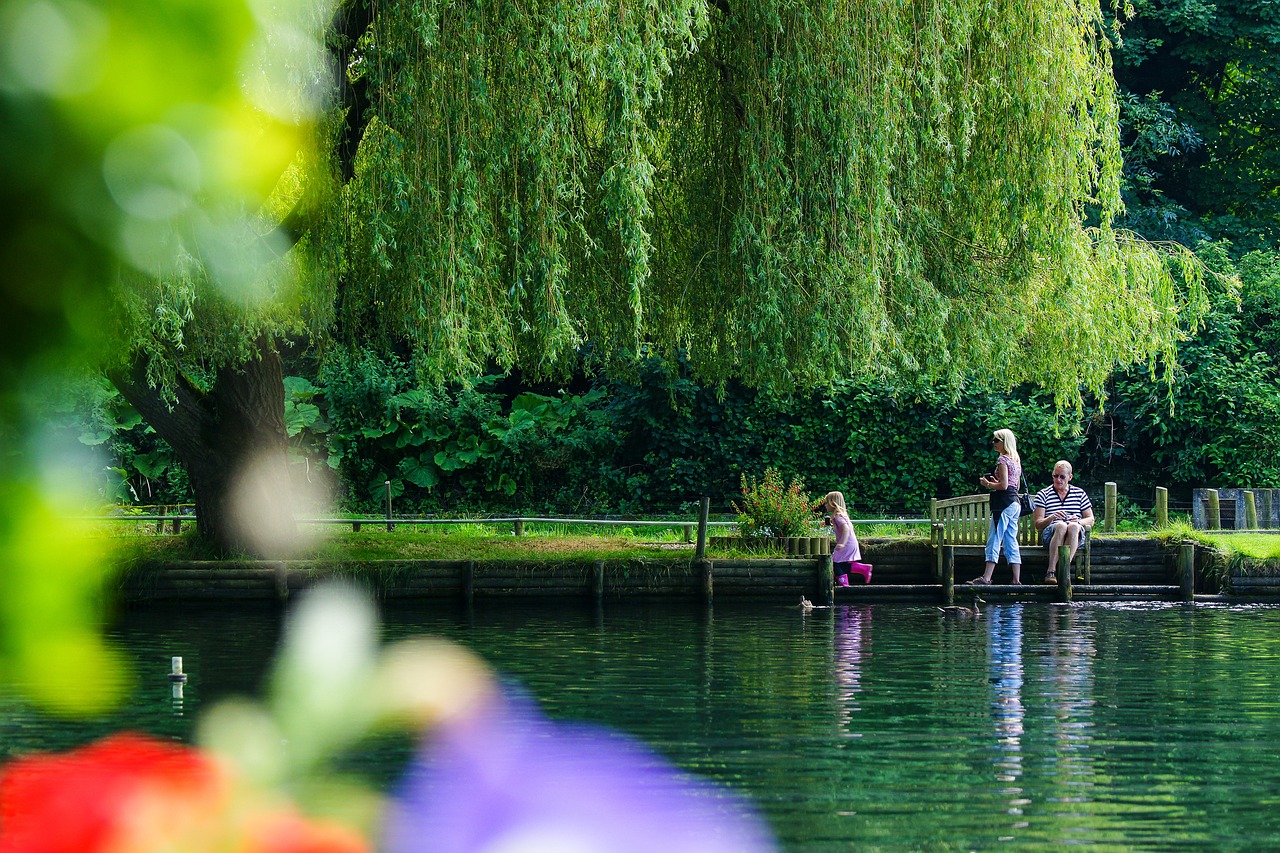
{"x":980,"y":581}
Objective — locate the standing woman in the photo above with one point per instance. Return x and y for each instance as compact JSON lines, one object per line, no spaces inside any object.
{"x":847,"y":550}
{"x":1004,"y":507}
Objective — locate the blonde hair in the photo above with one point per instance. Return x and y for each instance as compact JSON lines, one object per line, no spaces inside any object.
{"x":1010,"y":442}
{"x":835,"y":501}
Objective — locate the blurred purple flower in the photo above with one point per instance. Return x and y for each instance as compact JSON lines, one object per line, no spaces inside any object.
{"x":508,"y":780}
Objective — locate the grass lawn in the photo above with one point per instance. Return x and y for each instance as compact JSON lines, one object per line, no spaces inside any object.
{"x":1259,"y":546}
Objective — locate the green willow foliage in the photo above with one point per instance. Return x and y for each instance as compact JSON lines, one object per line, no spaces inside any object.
{"x":786,"y":192}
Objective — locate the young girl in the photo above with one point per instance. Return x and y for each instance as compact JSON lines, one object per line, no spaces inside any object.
{"x":847,"y":552}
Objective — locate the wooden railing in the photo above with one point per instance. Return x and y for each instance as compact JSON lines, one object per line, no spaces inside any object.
{"x":964,"y":521}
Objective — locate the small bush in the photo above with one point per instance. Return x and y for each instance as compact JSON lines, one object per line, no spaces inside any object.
{"x":771,"y":509}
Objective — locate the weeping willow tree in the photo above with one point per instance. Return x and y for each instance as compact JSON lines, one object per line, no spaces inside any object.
{"x":785,"y":192}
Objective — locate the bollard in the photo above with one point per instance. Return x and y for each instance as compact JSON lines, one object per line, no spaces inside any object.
{"x":826,"y":580}
{"x":1187,"y":570}
{"x":1250,"y":511}
{"x":1162,"y":507}
{"x":1109,"y":523}
{"x":704,"y":512}
{"x":1213,"y":511}
{"x":948,"y":575}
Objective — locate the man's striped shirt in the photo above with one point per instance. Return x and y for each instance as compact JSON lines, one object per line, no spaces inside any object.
{"x":1075,"y":502}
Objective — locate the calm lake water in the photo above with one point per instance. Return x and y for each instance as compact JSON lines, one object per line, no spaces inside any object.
{"x":877,"y":727}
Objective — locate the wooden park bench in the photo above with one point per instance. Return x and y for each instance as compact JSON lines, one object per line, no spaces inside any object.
{"x":961,"y":523}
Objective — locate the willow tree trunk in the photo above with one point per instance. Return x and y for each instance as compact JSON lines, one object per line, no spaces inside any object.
{"x":232,"y":442}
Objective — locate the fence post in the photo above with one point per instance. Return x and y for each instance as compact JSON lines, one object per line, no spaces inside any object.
{"x":390,"y":526}
{"x":704,"y":512}
{"x":1064,"y":570}
{"x":1109,"y":524}
{"x":164,"y":510}
{"x":1213,"y":511}
{"x":1250,"y":511}
{"x":948,"y":575}
{"x":1187,"y":570}
{"x":1162,"y":507}
{"x":689,"y":531}
{"x":826,"y":580}
{"x":517,"y":527}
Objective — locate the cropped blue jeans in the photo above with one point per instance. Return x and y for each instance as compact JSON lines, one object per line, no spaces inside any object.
{"x":1003,"y":531}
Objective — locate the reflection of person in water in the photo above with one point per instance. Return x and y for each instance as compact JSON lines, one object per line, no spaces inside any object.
{"x":1005,"y":634}
{"x":851,"y":626}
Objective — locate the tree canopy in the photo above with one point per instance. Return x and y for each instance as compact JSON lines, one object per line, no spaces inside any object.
{"x":786,"y":192}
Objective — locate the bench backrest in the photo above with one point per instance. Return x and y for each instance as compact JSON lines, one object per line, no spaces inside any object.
{"x":965,"y":519}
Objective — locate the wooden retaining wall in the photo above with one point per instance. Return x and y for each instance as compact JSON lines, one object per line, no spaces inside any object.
{"x":1122,"y":569}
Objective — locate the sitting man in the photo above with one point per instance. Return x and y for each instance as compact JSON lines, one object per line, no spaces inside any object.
{"x":1064,"y":516}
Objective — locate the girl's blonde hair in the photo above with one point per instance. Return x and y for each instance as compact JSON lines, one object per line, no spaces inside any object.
{"x":1010,"y":442}
{"x":835,"y":502}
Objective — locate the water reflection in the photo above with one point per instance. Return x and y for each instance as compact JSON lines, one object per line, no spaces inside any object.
{"x":1123,"y":727}
{"x":1070,"y":650}
{"x":1004,"y":633}
{"x":851,"y":623}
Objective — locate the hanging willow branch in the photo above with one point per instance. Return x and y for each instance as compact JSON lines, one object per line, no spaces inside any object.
{"x":787,"y":192}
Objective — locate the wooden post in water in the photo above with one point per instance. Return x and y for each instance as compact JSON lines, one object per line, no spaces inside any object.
{"x":1250,"y":511}
{"x":597,"y":582}
{"x":704,"y":512}
{"x":826,"y":580}
{"x":1162,"y":507}
{"x":469,"y":582}
{"x":1064,"y":571}
{"x":1109,"y":523}
{"x":1213,"y":512}
{"x":948,"y":575}
{"x":708,"y":585}
{"x":1187,"y":570}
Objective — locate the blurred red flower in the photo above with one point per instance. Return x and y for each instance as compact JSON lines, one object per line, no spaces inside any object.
{"x":133,"y":794}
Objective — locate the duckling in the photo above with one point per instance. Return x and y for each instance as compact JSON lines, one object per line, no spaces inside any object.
{"x":962,"y":611}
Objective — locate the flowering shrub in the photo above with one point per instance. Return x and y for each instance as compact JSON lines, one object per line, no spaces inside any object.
{"x":771,"y":509}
